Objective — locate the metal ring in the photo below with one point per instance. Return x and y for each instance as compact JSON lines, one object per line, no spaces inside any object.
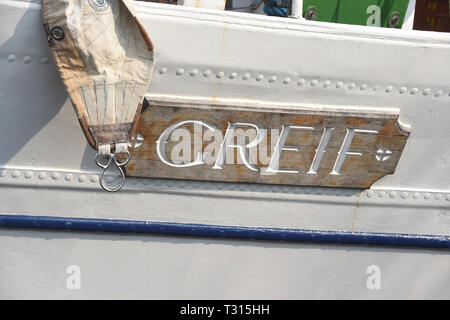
{"x":57,"y":33}
{"x":105,"y":187}
{"x":105,"y":167}
{"x":121,"y":164}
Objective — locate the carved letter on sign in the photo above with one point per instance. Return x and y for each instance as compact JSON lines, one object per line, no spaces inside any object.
{"x":264,"y":143}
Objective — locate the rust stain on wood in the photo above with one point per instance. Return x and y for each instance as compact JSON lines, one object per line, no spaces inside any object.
{"x":373,"y":152}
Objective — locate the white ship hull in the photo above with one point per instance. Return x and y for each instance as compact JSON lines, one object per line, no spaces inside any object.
{"x":47,"y":169}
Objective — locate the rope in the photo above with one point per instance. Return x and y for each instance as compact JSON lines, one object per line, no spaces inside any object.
{"x":277,"y":7}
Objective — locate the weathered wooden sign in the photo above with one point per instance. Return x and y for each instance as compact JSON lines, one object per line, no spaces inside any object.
{"x":260,"y":143}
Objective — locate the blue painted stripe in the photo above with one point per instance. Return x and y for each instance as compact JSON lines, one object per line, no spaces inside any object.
{"x":216,"y":231}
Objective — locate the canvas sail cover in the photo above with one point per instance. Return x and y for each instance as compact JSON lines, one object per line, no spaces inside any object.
{"x":105,"y":59}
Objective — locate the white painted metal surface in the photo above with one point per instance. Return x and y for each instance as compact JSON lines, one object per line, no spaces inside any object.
{"x":46,"y":167}
{"x":117,"y":266}
{"x":209,"y":4}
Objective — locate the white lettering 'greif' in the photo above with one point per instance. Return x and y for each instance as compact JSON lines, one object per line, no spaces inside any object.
{"x":162,"y":141}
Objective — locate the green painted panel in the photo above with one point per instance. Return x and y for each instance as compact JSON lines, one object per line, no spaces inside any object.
{"x":360,"y":12}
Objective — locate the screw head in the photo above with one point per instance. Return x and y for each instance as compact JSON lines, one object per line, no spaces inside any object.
{"x":311,"y":13}
{"x":136,"y":141}
{"x":57,"y":33}
{"x":394,"y":20}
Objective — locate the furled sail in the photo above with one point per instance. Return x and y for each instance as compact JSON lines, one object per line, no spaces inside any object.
{"x":105,"y":59}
